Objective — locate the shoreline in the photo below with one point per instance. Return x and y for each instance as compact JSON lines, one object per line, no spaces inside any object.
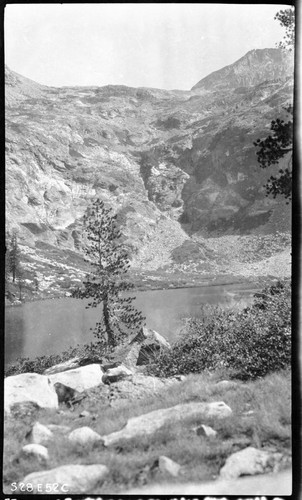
{"x":259,"y":280}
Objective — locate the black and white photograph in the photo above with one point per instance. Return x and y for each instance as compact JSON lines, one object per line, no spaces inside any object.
{"x":148,"y":249}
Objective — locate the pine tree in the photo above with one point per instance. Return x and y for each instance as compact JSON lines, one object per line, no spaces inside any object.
{"x":20,"y":280}
{"x":14,"y":255}
{"x":105,"y":284}
{"x":280,"y":143}
{"x":272,"y":150}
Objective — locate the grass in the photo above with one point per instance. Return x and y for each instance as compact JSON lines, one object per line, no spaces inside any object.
{"x":133,"y":463}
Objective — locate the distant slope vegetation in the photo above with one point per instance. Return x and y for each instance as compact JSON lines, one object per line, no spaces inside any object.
{"x":172,"y":164}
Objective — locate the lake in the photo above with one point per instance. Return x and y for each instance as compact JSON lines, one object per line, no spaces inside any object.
{"x":50,"y":326}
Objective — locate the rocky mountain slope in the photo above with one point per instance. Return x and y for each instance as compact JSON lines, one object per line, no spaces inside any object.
{"x":177,"y":166}
{"x":257,"y":66}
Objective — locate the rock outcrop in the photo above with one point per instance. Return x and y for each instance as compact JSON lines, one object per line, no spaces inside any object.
{"x":151,"y":422}
{"x":249,"y":461}
{"x":79,"y":379}
{"x":29,"y":388}
{"x":144,"y":346}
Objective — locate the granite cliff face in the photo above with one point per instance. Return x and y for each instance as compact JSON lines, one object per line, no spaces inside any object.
{"x":172,"y":164}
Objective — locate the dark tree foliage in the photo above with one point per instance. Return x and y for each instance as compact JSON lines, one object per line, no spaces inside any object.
{"x":279,"y":143}
{"x":20,"y":281}
{"x":14,"y":256}
{"x":106,"y":284}
{"x":287,"y":20}
{"x":272,"y":149}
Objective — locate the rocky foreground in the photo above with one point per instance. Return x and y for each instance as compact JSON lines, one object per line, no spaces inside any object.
{"x":63,"y":387}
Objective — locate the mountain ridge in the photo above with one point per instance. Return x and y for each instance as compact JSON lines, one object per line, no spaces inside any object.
{"x":172,"y":164}
{"x":254,"y":67}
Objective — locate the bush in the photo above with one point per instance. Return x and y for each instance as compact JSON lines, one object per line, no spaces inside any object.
{"x":92,"y":353}
{"x":249,"y":343}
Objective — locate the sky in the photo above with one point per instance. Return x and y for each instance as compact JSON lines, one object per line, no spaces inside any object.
{"x":167,"y":46}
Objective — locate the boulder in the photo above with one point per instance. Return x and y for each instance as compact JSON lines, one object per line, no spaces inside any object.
{"x":35,"y":450}
{"x":249,"y":461}
{"x":84,"y":436}
{"x":130,"y":359}
{"x":63,"y":367}
{"x":149,"y":423}
{"x":81,"y":378}
{"x":151,"y":342}
{"x":39,"y":434}
{"x":67,"y":479}
{"x":205,"y":430}
{"x":116,"y":374}
{"x":166,"y":465}
{"x":31,"y":388}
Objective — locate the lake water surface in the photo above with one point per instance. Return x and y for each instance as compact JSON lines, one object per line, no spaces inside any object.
{"x":50,"y":326}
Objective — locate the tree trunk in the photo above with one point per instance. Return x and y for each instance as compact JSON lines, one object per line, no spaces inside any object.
{"x":106,"y":315}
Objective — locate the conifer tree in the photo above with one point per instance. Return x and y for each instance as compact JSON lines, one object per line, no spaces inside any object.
{"x":20,"y":280}
{"x":280,"y":142}
{"x":14,"y":255}
{"x":105,"y":284}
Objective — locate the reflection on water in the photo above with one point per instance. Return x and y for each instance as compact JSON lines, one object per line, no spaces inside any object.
{"x":50,"y":326}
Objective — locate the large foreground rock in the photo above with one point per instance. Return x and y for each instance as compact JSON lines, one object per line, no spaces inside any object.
{"x":151,"y":422}
{"x":80,"y":379}
{"x":279,"y":484}
{"x":68,"y":479}
{"x":31,"y":388}
{"x":249,"y":461}
{"x":84,"y":436}
{"x":39,"y":434}
{"x":35,"y":450}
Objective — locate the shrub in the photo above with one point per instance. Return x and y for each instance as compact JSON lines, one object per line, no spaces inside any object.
{"x":249,"y":343}
{"x":93,"y":352}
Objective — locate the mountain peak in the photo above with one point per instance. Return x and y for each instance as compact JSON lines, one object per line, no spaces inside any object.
{"x":253,"y":68}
